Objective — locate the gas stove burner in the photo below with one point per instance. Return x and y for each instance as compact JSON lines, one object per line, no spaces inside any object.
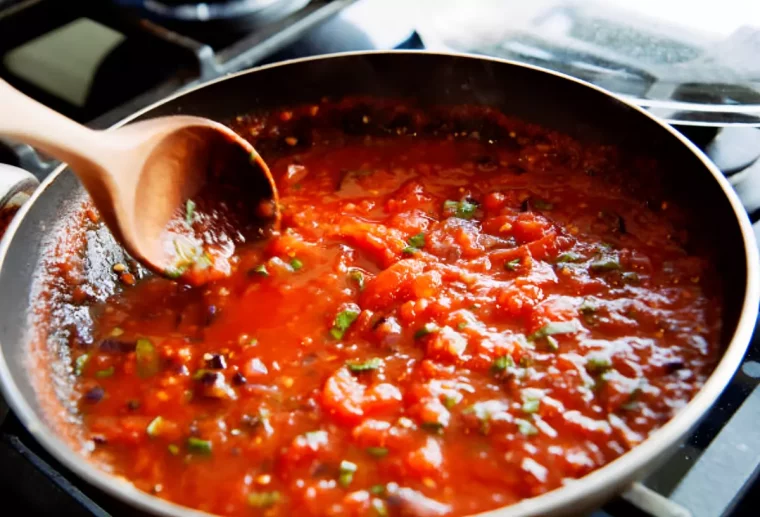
{"x":234,"y":14}
{"x":214,"y":15}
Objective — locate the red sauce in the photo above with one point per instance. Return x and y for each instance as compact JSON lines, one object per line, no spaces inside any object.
{"x":444,"y":326}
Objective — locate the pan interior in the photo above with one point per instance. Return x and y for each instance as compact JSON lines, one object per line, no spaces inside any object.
{"x":42,"y":314}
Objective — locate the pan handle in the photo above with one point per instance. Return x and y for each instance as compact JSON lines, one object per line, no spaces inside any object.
{"x":16,"y":186}
{"x":653,"y":503}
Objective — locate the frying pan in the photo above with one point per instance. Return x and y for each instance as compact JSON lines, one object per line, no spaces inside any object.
{"x":530,"y":93}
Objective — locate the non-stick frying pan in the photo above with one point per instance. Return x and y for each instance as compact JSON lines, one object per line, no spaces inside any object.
{"x":530,"y":93}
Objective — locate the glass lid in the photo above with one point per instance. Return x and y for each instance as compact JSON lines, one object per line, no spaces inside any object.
{"x":695,"y":63}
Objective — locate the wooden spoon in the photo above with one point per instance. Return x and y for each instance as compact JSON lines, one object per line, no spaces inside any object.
{"x":143,"y":179}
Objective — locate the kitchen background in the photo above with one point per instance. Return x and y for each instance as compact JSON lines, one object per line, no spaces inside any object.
{"x":694,"y":64}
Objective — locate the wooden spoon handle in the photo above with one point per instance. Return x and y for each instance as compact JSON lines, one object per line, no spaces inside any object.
{"x":26,"y":120}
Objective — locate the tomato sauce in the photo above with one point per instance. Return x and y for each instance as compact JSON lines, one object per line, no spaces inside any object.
{"x":443,"y":326}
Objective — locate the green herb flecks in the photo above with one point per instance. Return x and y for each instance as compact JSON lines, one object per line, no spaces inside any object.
{"x":174,"y":272}
{"x":154,"y":427}
{"x":531,"y":405}
{"x":189,"y":211}
{"x":525,"y":427}
{"x":347,"y":470}
{"x":198,"y":446}
{"x":342,"y":322}
{"x":568,"y":256}
{"x":461,"y":209}
{"x":261,"y":269}
{"x":554,"y":328}
{"x":415,"y":244}
{"x":633,"y":400}
{"x":377,"y":489}
{"x":630,"y":277}
{"x":486,"y":412}
{"x":451,"y":400}
{"x":147,"y":358}
{"x":173,"y":449}
{"x":512,"y":264}
{"x":377,"y":452}
{"x":598,"y":364}
{"x":381,"y":510}
{"x":365,"y":366}
{"x":263,"y":499}
{"x":358,"y":277}
{"x":103,"y":374}
{"x":587,"y":307}
{"x":296,"y":264}
{"x":426,"y":330}
{"x":80,"y":363}
{"x":501,"y":364}
{"x":605,"y":263}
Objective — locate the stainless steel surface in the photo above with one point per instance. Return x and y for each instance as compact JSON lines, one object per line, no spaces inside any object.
{"x":687,"y":62}
{"x":16,"y":186}
{"x":483,"y":80}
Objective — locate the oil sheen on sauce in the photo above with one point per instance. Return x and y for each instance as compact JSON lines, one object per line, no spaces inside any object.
{"x":441,"y":327}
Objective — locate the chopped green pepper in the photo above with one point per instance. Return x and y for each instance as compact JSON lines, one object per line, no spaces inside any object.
{"x":261,"y":269}
{"x":418,"y":241}
{"x":154,"y":427}
{"x":462,"y":209}
{"x":605,"y":263}
{"x":449,"y":401}
{"x":512,"y":264}
{"x":415,"y":244}
{"x":347,"y":470}
{"x":342,"y":322}
{"x":379,"y":506}
{"x":598,"y":364}
{"x":500,"y":364}
{"x":173,"y":449}
{"x":147,"y":358}
{"x":569,"y":256}
{"x":108,"y":372}
{"x":80,"y":363}
{"x":377,"y":452}
{"x":174,"y":272}
{"x":587,"y":307}
{"x":369,"y":364}
{"x":263,"y":499}
{"x":531,"y":405}
{"x":358,"y":277}
{"x":189,"y":211}
{"x":525,"y":427}
{"x":296,"y":264}
{"x":427,"y":329}
{"x":199,"y":446}
{"x":554,"y":327}
{"x":377,"y":489}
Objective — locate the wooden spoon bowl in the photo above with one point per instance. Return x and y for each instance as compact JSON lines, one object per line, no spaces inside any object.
{"x":144,"y":177}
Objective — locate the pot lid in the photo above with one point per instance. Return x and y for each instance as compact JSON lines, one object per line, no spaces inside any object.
{"x":695,"y":63}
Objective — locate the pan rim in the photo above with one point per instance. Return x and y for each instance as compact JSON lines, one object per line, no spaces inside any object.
{"x":619,"y":472}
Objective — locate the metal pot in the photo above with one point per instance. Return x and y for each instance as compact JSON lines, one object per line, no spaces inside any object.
{"x":527,"y":92}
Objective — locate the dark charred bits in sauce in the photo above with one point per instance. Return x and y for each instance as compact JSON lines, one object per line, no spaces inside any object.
{"x":437,"y":322}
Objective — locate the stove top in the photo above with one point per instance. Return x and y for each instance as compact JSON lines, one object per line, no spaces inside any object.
{"x":138,"y":58}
